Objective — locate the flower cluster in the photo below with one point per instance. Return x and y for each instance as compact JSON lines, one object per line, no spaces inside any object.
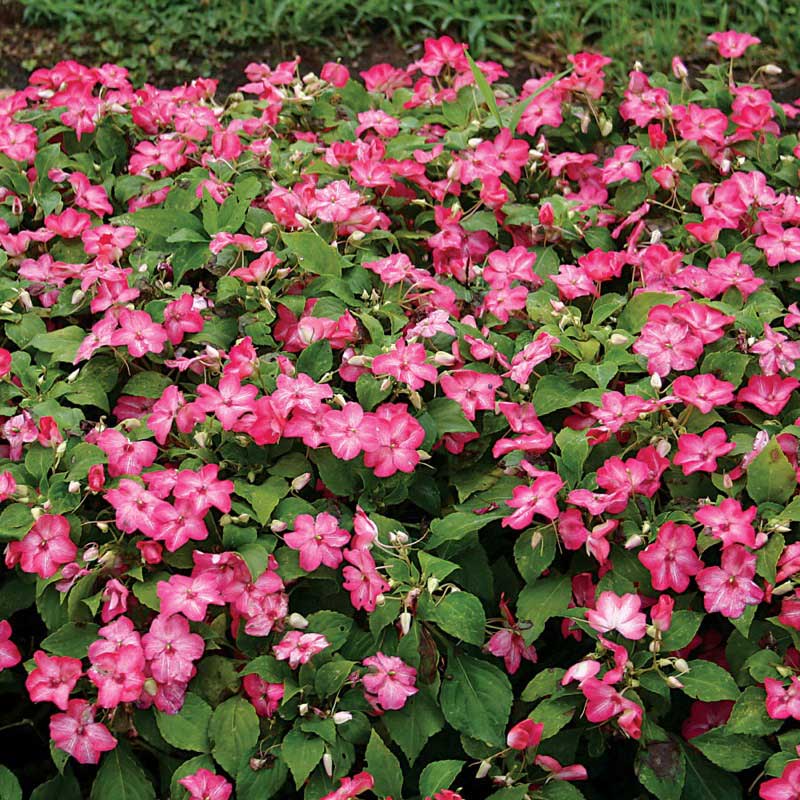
{"x":401,"y":436}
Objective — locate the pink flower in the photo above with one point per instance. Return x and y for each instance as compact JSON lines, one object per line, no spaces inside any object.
{"x":320,"y":540}
{"x":350,"y":431}
{"x":118,"y":676}
{"x":509,"y":645}
{"x":406,"y":363}
{"x":619,"y":613}
{"x":700,"y":453}
{"x":732,"y":44}
{"x":181,"y":318}
{"x":170,"y":648}
{"x":473,"y":391}
{"x":76,"y":733}
{"x":363,"y":580}
{"x":124,"y":456}
{"x":299,"y":648}
{"x":203,"y":490}
{"x":730,"y":523}
{"x":53,"y":678}
{"x":782,"y":701}
{"x":228,"y":402}
{"x":206,"y":785}
{"x":350,"y":788}
{"x":661,"y":613}
{"x":538,"y":498}
{"x":706,"y":716}
{"x":265,"y":697}
{"x":336,"y":74}
{"x":787,"y":787}
{"x":115,"y":600}
{"x":672,"y":559}
{"x":390,"y":683}
{"x":703,"y":391}
{"x":768,"y":393}
{"x":138,"y":333}
{"x":729,"y":588}
{"x":45,"y":548}
{"x":525,"y":734}
{"x":603,"y":702}
{"x":397,"y":435}
{"x":9,"y":653}
{"x":189,"y":596}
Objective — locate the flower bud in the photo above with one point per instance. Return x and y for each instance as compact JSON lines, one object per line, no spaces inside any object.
{"x":633,"y":542}
{"x":681,"y":666}
{"x":327,"y":764}
{"x":536,"y":539}
{"x":74,"y":487}
{"x":297,"y":620}
{"x":302,"y":709}
{"x":398,"y":537}
{"x":783,"y":588}
{"x":36,"y":512}
{"x":655,"y":381}
{"x":772,"y":69}
{"x":606,"y":126}
{"x":386,"y":384}
{"x":674,"y":683}
{"x":301,"y":481}
{"x":432,"y":585}
{"x":405,"y":622}
{"x":150,"y":687}
{"x":483,"y":769}
{"x":278,"y":526}
{"x":618,"y":339}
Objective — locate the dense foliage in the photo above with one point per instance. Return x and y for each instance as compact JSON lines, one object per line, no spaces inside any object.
{"x":400,"y":437}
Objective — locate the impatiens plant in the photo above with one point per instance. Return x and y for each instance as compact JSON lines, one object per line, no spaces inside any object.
{"x":400,"y":437}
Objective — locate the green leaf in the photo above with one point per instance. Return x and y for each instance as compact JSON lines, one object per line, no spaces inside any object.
{"x":554,"y":713}
{"x":301,"y":753}
{"x":121,"y":777}
{"x":553,"y":392}
{"x":335,"y":627}
{"x":448,"y":416}
{"x":188,"y":729}
{"x":770,"y":476}
{"x":574,"y":449}
{"x":560,"y":790}
{"x":412,"y":726}
{"x":768,"y":555}
{"x":147,"y":384}
{"x":314,"y":254}
{"x":438,"y":775}
{"x":261,"y":784}
{"x":330,"y":677}
{"x":264,"y":497}
{"x":461,"y":615}
{"x":15,"y":521}
{"x":458,"y":525}
{"x":704,"y":781}
{"x":539,"y":601}
{"x":733,"y":752}
{"x":61,"y":344}
{"x":485,"y":89}
{"x":62,"y":787}
{"x":534,"y":551}
{"x":164,"y":222}
{"x":638,"y":307}
{"x":316,"y":359}
{"x":234,"y":732}
{"x":708,"y":681}
{"x":750,"y":715}
{"x":71,"y":640}
{"x":661,"y":769}
{"x":685,"y":625}
{"x":384,"y":767}
{"x":9,"y":785}
{"x":468,"y":684}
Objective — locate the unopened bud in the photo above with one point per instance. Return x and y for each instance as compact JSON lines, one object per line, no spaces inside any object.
{"x":278,"y":526}
{"x":201,"y":439}
{"x":606,"y":126}
{"x":341,"y":717}
{"x":301,"y":481}
{"x":783,"y":588}
{"x":398,"y":537}
{"x":297,"y":620}
{"x":416,"y":400}
{"x":225,"y":519}
{"x":36,"y":512}
{"x":386,"y":384}
{"x":483,"y":769}
{"x":327,"y":764}
{"x":727,"y":481}
{"x":674,"y":683}
{"x":784,"y":672}
{"x":103,"y":527}
{"x":150,"y":687}
{"x":73,"y":487}
{"x":356,"y":236}
{"x":77,"y":297}
{"x":655,"y":380}
{"x":633,"y":542}
{"x":681,"y":666}
{"x":536,"y":539}
{"x":618,"y":339}
{"x":432,"y":585}
{"x":772,"y":69}
{"x":302,"y":709}
{"x":405,"y":622}
{"x":257,"y":763}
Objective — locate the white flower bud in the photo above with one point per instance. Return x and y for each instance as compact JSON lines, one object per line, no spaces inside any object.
{"x":536,"y":539}
{"x":36,"y":512}
{"x":681,"y":666}
{"x":674,"y":683}
{"x":297,"y":620}
{"x":386,"y":384}
{"x":606,"y":126}
{"x":278,"y":526}
{"x":655,"y":381}
{"x":342,"y":717}
{"x":783,"y":588}
{"x":74,"y":487}
{"x":618,"y":339}
{"x":633,"y":542}
{"x":398,"y":537}
{"x":483,"y":769}
{"x":302,"y":709}
{"x":327,"y":764}
{"x":772,"y":69}
{"x":77,"y":297}
{"x":405,"y":622}
{"x":432,"y":585}
{"x":301,"y":481}
{"x":103,"y":527}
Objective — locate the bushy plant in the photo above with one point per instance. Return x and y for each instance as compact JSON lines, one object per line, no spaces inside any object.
{"x":402,"y":437}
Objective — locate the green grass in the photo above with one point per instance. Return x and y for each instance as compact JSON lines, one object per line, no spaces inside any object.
{"x":179,"y":38}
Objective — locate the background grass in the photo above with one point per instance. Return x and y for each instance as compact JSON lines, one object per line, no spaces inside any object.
{"x":179,"y":38}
